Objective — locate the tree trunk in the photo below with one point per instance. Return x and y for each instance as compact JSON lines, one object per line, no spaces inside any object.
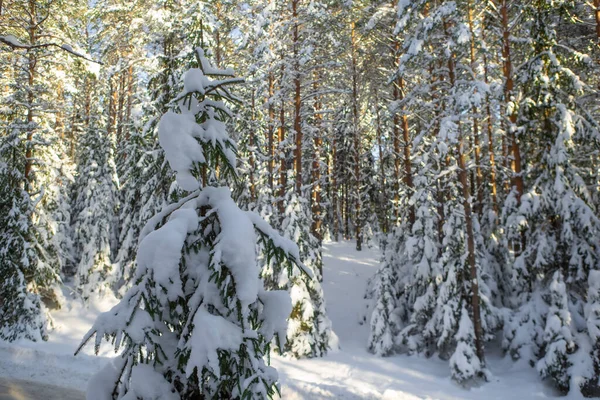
{"x":270,"y":131}
{"x":297,"y":100}
{"x":130,"y":82}
{"x":346,"y":212}
{"x":281,"y":154}
{"x":513,"y":146}
{"x":316,"y":166}
{"x":31,"y":70}
{"x":218,"y":57}
{"x":408,"y":178}
{"x":597,"y":15}
{"x":477,"y":149}
{"x":490,"y":134}
{"x":464,"y":180}
{"x":335,"y":191}
{"x":357,"y":148}
{"x":121,"y":105}
{"x":383,"y":200}
{"x":251,"y":149}
{"x":396,"y":137}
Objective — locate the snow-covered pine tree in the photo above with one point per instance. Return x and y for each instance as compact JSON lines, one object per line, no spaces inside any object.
{"x":197,"y":323}
{"x":94,"y":204}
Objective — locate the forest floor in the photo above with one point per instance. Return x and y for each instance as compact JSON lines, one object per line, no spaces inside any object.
{"x":350,"y":373}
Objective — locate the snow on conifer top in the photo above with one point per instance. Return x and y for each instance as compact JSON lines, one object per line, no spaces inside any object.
{"x":179,"y":132}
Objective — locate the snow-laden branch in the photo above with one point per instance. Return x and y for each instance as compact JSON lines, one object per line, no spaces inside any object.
{"x":14,"y":44}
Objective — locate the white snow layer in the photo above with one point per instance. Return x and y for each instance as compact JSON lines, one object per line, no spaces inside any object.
{"x":177,"y":135}
{"x":351,"y":373}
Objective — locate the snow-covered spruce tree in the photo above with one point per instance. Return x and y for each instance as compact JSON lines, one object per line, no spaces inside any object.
{"x":420,"y":268}
{"x":385,"y":323}
{"x":32,"y":208}
{"x":309,"y":332}
{"x":94,"y":204}
{"x":141,"y":159}
{"x":592,"y":314}
{"x":132,"y":167}
{"x":197,"y":323}
{"x":554,"y":222}
{"x":22,"y":314}
{"x":557,"y":337}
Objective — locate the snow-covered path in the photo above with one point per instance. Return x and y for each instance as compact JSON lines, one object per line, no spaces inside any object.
{"x":354,"y":373}
{"x":351,"y":373}
{"x":16,"y":389}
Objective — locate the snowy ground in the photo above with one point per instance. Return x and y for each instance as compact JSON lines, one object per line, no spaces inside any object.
{"x":351,"y":373}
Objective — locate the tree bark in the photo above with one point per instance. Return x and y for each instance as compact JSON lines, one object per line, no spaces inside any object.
{"x":357,"y":150}
{"x":297,"y":99}
{"x":335,"y":191}
{"x":477,"y":149}
{"x":251,"y":149}
{"x":379,"y":132}
{"x":270,"y":131}
{"x":408,"y":177}
{"x":281,"y":153}
{"x":464,"y":180}
{"x":597,"y":15}
{"x":513,"y":146}
{"x":316,"y":165}
{"x":31,"y":70}
{"x":490,"y":135}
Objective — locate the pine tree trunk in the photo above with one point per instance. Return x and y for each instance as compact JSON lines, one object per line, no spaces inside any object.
{"x":383,"y":200}
{"x":297,"y":100}
{"x":130,"y":81}
{"x":513,"y":146}
{"x":398,"y":95}
{"x":281,"y":155}
{"x":597,"y":16}
{"x":335,"y":191}
{"x":357,"y":150}
{"x":112,"y":100}
{"x":270,"y":131}
{"x":477,"y":149}
{"x":474,"y":285}
{"x":31,"y":70}
{"x":490,"y":134}
{"x":464,"y":180}
{"x":251,"y":150}
{"x":408,"y":178}
{"x":316,"y":166}
{"x":396,"y":135}
{"x":217,"y":35}
{"x":121,"y":105}
{"x":59,"y":126}
{"x":346,"y":212}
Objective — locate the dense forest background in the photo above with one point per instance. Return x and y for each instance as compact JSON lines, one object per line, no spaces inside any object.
{"x":461,"y":137}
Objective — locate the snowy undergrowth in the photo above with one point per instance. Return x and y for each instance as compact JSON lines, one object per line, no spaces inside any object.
{"x":351,"y":373}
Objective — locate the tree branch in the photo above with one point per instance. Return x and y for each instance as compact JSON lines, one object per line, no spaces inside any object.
{"x":13,"y":43}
